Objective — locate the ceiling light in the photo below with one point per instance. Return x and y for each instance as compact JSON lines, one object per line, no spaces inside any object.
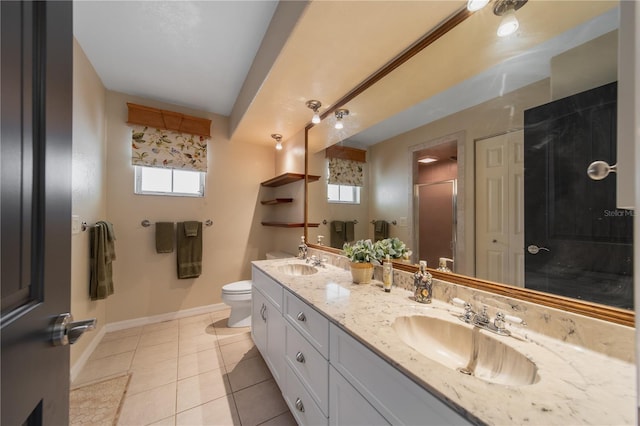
{"x":315,"y":106}
{"x":507,"y":9}
{"x":278,"y":139}
{"x":428,"y":159}
{"x":340,"y":114}
{"x":473,"y":5}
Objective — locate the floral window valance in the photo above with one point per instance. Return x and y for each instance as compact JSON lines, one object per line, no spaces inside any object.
{"x":154,"y":147}
{"x":345,"y":172}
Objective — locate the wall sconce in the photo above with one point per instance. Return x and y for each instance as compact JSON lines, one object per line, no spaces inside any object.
{"x":507,"y":9}
{"x":278,"y":139}
{"x":314,"y":106}
{"x":340,"y":114}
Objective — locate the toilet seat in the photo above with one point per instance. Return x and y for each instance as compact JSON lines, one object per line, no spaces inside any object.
{"x":238,"y":287}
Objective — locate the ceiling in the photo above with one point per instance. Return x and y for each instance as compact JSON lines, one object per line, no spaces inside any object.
{"x":254,"y":61}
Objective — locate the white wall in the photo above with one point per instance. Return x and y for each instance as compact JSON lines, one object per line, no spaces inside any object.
{"x":145,"y":282}
{"x":89,"y":187}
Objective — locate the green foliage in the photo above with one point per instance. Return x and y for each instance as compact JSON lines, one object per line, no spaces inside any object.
{"x":366,"y":251}
{"x":361,"y":251}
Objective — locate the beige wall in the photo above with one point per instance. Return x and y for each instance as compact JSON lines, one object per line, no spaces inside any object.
{"x":391,"y":169}
{"x":146,"y":282}
{"x":89,"y":187}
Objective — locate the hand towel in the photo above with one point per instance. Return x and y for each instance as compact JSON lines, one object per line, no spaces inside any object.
{"x":337,"y":234}
{"x":189,"y":250}
{"x":102,"y":253}
{"x":349,"y":231}
{"x":191,"y":228}
{"x":381,"y":230}
{"x":164,"y":237}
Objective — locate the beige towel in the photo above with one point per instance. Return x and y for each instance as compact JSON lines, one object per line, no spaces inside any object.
{"x":189,"y":250}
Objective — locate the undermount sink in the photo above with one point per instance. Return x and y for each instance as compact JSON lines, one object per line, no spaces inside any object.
{"x":466,"y":349}
{"x":297,"y":269}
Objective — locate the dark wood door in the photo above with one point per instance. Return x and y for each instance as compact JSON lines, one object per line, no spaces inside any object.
{"x":585,"y":241}
{"x":36,"y":49}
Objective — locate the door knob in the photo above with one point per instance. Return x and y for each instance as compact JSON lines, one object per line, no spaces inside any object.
{"x":534,"y":249}
{"x":66,"y":332}
{"x":599,"y":170}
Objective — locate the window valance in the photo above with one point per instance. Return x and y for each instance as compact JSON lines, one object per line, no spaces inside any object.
{"x":154,"y":147}
{"x":345,"y":165}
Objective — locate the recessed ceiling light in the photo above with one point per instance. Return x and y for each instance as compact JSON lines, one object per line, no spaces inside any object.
{"x":427,"y":160}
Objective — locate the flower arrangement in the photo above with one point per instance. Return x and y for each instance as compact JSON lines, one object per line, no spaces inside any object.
{"x":393,"y":247}
{"x":361,"y":251}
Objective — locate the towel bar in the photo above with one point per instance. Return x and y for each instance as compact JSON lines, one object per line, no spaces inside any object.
{"x":393,"y":222}
{"x":147,"y":223}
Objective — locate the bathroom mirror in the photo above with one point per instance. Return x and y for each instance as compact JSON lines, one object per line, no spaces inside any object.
{"x":470,"y":89}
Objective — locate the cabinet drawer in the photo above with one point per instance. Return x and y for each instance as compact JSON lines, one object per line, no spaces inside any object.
{"x":301,"y":404}
{"x":311,"y":367}
{"x":269,"y":287}
{"x":312,"y":325}
{"x":395,"y":396}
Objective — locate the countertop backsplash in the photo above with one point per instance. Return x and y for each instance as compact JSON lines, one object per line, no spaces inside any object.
{"x":605,"y":337}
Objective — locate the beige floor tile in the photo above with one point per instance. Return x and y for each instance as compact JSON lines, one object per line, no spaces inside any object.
{"x":158,"y":337}
{"x":205,"y":387}
{"x":119,"y":334}
{"x":284,"y":419}
{"x":115,"y":346}
{"x":259,"y":403}
{"x":169,"y":421}
{"x":228,"y":335}
{"x":196,"y":329}
{"x":217,"y":315}
{"x":247,"y":373}
{"x":152,"y":354}
{"x":152,"y":376}
{"x":235,"y":352}
{"x":103,"y":368}
{"x":149,"y":406}
{"x":221,"y":411}
{"x":199,"y":362}
{"x":199,"y":343}
{"x":204,"y":319}
{"x":160,"y":326}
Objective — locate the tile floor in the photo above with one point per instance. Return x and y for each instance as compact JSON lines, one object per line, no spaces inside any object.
{"x":191,"y":371}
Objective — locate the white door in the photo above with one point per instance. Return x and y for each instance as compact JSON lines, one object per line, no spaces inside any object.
{"x":499,"y":208}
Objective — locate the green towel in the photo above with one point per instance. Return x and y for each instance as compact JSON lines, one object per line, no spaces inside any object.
{"x":164,"y":237}
{"x":189,"y":250}
{"x":191,"y":228}
{"x":103,"y":253}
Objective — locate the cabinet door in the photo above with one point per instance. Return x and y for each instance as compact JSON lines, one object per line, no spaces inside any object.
{"x":275,"y":342}
{"x":347,"y":406}
{"x":259,"y":321}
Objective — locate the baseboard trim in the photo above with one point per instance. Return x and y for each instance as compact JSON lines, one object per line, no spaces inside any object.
{"x":137,"y":322}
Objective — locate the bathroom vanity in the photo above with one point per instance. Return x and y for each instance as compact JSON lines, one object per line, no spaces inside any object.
{"x":352,"y":354}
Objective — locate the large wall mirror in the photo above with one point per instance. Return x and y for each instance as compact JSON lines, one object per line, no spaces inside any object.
{"x":477,"y":150}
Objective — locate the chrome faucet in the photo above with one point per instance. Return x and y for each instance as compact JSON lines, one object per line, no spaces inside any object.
{"x":302,"y":249}
{"x":482,"y":319}
{"x":316,"y":261}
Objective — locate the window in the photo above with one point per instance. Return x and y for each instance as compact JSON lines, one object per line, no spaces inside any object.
{"x":343,"y":194}
{"x":158,"y":181}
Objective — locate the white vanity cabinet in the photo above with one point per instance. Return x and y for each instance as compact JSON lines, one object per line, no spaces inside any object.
{"x":389,"y":392}
{"x":267,"y":323}
{"x":347,"y":406}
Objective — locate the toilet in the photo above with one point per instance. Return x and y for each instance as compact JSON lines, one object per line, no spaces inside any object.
{"x":238,"y":296}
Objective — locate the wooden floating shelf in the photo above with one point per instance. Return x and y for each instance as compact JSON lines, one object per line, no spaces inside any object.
{"x":290,"y":224}
{"x":287,"y":178}
{"x":277,"y":201}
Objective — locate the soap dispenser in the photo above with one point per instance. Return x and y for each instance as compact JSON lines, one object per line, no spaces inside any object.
{"x":302,"y":248}
{"x":423,"y":283}
{"x":387,"y":274}
{"x":442,"y":264}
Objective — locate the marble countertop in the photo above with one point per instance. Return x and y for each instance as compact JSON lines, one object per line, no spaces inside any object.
{"x":575,"y":386}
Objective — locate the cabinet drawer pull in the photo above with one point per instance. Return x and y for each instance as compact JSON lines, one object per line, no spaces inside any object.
{"x":300,"y":357}
{"x":301,"y":317}
{"x":262,"y":311}
{"x":299,"y":405}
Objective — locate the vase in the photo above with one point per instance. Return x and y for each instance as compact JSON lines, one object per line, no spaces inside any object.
{"x":361,"y":272}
